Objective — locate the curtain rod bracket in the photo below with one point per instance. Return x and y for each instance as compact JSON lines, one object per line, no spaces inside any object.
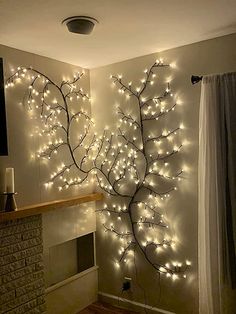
{"x":195,"y":79}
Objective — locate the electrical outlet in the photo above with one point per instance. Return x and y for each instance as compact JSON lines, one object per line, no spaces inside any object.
{"x":126,"y":284}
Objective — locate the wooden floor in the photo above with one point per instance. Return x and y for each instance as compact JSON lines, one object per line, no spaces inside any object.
{"x":100,"y":308}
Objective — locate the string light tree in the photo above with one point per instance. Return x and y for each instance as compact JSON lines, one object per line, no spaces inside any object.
{"x":64,"y":113}
{"x":127,"y":169}
{"x":138,"y":177}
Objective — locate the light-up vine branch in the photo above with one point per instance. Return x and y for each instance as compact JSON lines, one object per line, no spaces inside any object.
{"x":55,"y":105}
{"x":133,"y":169}
{"x":126,"y":165}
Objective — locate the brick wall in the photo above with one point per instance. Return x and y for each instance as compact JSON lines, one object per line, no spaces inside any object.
{"x":21,"y":266}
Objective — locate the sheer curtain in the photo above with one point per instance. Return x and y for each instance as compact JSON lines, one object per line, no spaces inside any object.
{"x":217,"y":193}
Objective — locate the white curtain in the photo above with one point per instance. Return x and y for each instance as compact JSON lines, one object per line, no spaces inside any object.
{"x":216,"y":193}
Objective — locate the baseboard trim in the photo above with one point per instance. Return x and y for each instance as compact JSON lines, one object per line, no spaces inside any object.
{"x":138,"y":304}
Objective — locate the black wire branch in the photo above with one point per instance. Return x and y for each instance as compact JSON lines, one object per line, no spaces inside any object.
{"x":150,"y":224}
{"x":154,"y":209}
{"x":53,"y":128}
{"x":162,"y":136}
{"x":52,"y":148}
{"x":161,"y":113}
{"x":118,"y":233}
{"x":71,"y":83}
{"x":76,"y":182}
{"x":87,"y":150}
{"x":79,"y":114}
{"x":173,"y":177}
{"x":131,"y":246}
{"x":164,"y":243}
{"x":122,"y":211}
{"x":82,"y":139}
{"x":123,"y":87}
{"x":149,"y":73}
{"x":128,"y":118}
{"x":160,"y":194}
{"x":157,"y":100}
{"x":78,"y":94}
{"x":61,"y":172}
{"x":129,"y":141}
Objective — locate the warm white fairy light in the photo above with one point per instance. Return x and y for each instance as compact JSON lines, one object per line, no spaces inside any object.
{"x":115,"y":160}
{"x":40,"y":88}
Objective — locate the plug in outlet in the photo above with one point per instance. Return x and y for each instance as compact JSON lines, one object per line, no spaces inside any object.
{"x":126,"y":284}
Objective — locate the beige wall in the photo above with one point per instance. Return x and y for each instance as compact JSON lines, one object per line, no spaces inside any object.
{"x":212,"y":56}
{"x":31,"y":173}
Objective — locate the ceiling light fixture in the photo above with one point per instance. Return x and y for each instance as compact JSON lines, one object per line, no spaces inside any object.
{"x":80,"y":24}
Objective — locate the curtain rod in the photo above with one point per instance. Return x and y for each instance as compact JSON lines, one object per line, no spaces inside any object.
{"x":195,"y":79}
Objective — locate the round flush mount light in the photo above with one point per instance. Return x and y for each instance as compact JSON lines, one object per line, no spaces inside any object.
{"x":80,"y":24}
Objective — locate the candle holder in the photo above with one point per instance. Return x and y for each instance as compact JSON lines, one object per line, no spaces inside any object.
{"x":10,"y":204}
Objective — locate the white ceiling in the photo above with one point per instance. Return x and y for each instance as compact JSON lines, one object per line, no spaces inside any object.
{"x":126,"y":29}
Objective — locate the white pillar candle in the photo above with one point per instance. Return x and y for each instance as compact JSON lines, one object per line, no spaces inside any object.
{"x":9,"y":179}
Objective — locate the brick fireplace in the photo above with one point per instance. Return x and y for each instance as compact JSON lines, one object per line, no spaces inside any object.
{"x":21,"y":269}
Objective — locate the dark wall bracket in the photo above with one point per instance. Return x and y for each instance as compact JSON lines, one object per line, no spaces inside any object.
{"x":195,"y":79}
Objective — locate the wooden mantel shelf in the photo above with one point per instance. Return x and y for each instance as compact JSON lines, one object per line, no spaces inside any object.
{"x":49,"y":206}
